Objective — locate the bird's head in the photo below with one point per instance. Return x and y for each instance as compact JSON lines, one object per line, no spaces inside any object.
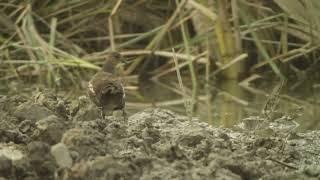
{"x":113,"y":62}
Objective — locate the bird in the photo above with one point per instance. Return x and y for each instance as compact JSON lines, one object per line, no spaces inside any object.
{"x":105,"y":88}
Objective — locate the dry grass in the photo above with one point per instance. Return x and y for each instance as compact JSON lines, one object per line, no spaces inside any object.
{"x":60,"y":42}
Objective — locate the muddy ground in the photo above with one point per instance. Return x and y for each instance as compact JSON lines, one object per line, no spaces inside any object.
{"x":46,"y":137}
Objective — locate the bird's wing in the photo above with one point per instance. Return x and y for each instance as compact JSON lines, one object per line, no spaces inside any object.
{"x":105,"y":83}
{"x":112,"y":87}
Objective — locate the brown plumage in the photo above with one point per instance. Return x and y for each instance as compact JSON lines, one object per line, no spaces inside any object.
{"x":105,"y":88}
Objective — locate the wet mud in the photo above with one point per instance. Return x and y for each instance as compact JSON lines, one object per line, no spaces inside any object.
{"x":46,"y":137}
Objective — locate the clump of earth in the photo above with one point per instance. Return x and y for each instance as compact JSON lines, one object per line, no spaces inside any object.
{"x":47,"y":137}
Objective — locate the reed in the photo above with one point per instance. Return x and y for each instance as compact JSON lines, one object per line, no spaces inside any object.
{"x":55,"y":43}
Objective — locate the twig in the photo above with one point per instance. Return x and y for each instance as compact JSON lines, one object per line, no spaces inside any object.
{"x":164,"y":54}
{"x":111,"y":34}
{"x":157,"y":104}
{"x":110,"y":25}
{"x":116,"y":7}
{"x":234,"y":98}
{"x":283,"y":163}
{"x":185,"y":96}
{"x":289,"y":55}
{"x":204,"y":10}
{"x":225,"y":66}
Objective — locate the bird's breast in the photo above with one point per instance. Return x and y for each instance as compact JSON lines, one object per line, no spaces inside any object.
{"x":90,"y":87}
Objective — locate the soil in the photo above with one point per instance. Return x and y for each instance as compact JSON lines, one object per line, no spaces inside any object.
{"x":47,"y":137}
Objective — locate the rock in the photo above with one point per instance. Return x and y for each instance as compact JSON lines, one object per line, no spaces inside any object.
{"x":5,"y":166}
{"x":23,"y":169}
{"x":116,"y":130}
{"x":87,"y":142}
{"x":62,"y":156}
{"x":50,"y":129}
{"x":87,"y":113}
{"x":78,"y":171}
{"x":53,"y":102}
{"x":32,"y":111}
{"x":10,"y":103}
{"x":312,"y":170}
{"x":108,"y":167}
{"x":41,"y":160}
{"x":25,"y":126}
{"x":38,"y":151}
{"x":11,"y":151}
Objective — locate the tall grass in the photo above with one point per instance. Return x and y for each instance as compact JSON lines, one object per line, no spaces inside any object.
{"x":58,"y":42}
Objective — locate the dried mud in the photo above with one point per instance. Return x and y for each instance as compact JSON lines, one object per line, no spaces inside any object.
{"x":46,"y":137}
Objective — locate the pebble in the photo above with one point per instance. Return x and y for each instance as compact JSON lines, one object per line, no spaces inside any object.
{"x":62,"y":156}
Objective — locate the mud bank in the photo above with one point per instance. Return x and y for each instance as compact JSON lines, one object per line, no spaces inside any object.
{"x":46,"y":137}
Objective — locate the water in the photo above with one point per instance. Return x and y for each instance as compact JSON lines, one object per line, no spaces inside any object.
{"x":228,"y":103}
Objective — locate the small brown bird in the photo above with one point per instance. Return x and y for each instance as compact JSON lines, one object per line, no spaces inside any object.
{"x":105,"y":88}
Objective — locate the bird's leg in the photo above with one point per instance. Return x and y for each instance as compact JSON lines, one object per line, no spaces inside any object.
{"x":102,"y":114}
{"x":124,"y":114}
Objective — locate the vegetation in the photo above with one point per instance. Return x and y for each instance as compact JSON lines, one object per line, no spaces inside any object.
{"x":58,"y":42}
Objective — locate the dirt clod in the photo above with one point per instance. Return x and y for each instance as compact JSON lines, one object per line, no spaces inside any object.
{"x":62,"y":156}
{"x":45,"y":137}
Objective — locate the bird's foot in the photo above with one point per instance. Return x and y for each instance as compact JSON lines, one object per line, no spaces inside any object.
{"x":103,"y":115}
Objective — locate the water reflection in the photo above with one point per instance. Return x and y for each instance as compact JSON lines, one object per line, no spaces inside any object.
{"x":232,"y":104}
{"x":227,"y":103}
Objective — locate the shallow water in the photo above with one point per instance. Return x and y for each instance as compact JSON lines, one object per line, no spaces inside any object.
{"x":226,"y":104}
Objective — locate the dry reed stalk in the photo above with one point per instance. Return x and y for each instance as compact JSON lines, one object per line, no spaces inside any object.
{"x":185,"y":95}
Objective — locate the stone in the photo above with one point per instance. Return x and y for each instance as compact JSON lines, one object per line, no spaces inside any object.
{"x":62,"y":156}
